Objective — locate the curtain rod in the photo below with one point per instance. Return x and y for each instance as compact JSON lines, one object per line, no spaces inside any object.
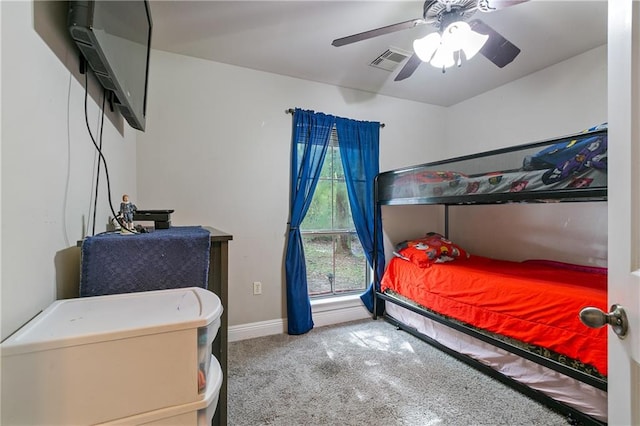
{"x":291,"y":111}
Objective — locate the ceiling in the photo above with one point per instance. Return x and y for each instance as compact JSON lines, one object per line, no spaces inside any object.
{"x":293,"y":38}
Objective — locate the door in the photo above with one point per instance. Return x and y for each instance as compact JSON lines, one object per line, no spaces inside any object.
{"x":624,"y":206}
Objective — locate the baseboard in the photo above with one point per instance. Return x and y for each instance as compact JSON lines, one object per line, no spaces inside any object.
{"x":325,"y":312}
{"x":256,"y":329}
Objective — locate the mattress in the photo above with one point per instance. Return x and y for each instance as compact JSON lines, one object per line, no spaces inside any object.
{"x":572,"y":392}
{"x":536,"y":302}
{"x":572,"y":165}
{"x":451,"y":183}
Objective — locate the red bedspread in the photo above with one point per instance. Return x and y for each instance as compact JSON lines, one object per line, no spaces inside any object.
{"x":534,"y":302}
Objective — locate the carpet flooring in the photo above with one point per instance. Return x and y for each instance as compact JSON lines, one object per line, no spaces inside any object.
{"x":366,"y":373}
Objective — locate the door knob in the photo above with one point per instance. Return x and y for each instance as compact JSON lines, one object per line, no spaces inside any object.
{"x":617,"y":319}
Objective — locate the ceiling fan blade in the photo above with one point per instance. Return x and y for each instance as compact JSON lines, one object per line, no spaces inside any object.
{"x":408,"y":68}
{"x":497,"y":49}
{"x":378,"y":32}
{"x":491,"y":5}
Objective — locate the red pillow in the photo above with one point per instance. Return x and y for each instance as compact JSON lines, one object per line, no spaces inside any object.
{"x":433,"y":248}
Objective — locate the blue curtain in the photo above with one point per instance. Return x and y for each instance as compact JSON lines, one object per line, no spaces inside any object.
{"x":359,"y":149}
{"x":311,"y":132}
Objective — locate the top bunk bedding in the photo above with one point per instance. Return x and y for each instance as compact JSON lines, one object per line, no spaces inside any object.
{"x":571,"y":168}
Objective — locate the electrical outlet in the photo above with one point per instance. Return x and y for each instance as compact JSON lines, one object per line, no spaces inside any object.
{"x":257,"y":287}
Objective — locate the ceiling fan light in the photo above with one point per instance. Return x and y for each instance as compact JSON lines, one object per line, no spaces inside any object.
{"x":441,"y":51}
{"x":473,"y":43}
{"x":443,"y":58}
{"x":455,"y":35}
{"x":425,"y":47}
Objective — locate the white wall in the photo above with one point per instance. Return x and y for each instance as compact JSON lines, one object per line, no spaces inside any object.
{"x":563,"y":99}
{"x":48,"y":161}
{"x":218,"y":148}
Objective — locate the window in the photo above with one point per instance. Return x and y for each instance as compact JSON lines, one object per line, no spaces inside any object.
{"x":334,"y":257}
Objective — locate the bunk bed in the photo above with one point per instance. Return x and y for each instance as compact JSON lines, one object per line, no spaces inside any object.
{"x":516,"y":321}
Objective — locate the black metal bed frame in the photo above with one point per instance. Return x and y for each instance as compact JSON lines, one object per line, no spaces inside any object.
{"x":564,"y":195}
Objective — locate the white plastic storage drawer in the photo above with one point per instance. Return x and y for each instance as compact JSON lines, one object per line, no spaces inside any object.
{"x":198,"y":413}
{"x":95,"y":359}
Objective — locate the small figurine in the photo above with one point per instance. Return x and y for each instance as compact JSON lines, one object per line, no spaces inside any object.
{"x":127,"y":209}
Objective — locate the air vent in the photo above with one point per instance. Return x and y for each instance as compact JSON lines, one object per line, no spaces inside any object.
{"x":390,"y":59}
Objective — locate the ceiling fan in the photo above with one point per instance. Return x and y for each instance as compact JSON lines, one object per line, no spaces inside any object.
{"x":455,"y":39}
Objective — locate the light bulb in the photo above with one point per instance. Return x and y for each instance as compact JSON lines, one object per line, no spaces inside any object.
{"x":443,"y":58}
{"x":444,"y":51}
{"x":426,"y":47}
{"x":473,"y":43}
{"x":455,"y":35}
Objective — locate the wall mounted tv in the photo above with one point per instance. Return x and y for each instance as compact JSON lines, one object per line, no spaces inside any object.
{"x":115,"y":39}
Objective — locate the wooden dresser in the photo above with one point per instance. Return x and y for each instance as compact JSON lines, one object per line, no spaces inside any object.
{"x":218,"y":283}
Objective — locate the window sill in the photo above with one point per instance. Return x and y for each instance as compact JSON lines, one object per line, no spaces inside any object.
{"x":335,"y":310}
{"x":334,"y":303}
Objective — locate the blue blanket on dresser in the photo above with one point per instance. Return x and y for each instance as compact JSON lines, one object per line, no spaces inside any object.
{"x":166,"y":258}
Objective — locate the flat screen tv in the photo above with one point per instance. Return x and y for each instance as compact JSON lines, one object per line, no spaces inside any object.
{"x":115,"y":39}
